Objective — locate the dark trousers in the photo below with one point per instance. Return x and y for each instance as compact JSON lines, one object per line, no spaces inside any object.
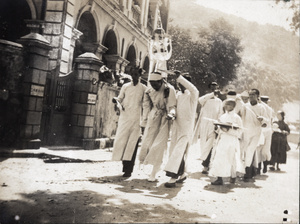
{"x":250,"y":172}
{"x":206,"y":162}
{"x":266,"y":163}
{"x":179,"y":173}
{"x":128,"y":165}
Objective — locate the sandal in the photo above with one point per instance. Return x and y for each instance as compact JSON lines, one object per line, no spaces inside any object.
{"x":181,"y":180}
{"x":152,"y":179}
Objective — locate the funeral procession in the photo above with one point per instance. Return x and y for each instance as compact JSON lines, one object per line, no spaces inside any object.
{"x":149,"y":111}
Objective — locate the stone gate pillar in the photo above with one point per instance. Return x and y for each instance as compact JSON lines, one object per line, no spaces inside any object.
{"x":84,"y":100}
{"x":36,"y":55}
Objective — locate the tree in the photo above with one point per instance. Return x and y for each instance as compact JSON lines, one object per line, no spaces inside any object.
{"x":294,"y":5}
{"x":281,"y":88}
{"x":225,"y":49}
{"x":212,"y":56}
{"x":181,"y":45}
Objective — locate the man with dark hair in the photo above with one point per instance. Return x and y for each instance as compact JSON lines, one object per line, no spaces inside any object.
{"x":211,"y":109}
{"x":182,"y":129}
{"x":253,"y":116}
{"x":128,"y":132}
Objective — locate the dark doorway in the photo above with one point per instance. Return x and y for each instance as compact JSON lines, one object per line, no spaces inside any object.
{"x":111,"y":42}
{"x":88,"y":40}
{"x":146,"y":68}
{"x":13,"y":14}
{"x":112,"y":45}
{"x":131,"y":57}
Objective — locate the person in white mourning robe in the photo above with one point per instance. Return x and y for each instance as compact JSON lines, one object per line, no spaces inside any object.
{"x":182,"y":129}
{"x":226,"y":158}
{"x":264,"y":150}
{"x":130,"y":101}
{"x":254,"y":118}
{"x":211,"y":109}
{"x":159,"y":107}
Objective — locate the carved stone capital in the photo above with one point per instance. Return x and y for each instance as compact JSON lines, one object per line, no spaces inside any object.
{"x":114,"y":61}
{"x":35,"y":26}
{"x":101,"y":50}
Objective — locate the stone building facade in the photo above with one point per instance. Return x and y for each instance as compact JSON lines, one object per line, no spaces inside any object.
{"x":51,"y":53}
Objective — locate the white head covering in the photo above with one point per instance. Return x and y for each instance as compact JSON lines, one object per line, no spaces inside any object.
{"x":230,"y":100}
{"x":231,"y":94}
{"x":245,"y":93}
{"x":155,"y":76}
{"x":265,"y":99}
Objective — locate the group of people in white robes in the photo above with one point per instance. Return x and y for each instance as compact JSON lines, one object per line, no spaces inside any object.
{"x":235,"y":134}
{"x":235,"y":140}
{"x":157,"y":111}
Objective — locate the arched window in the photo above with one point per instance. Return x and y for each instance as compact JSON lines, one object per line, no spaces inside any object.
{"x":111,"y":42}
{"x":12,"y":19}
{"x":140,"y":58}
{"x":87,"y":41}
{"x":131,"y":56}
{"x":123,"y":42}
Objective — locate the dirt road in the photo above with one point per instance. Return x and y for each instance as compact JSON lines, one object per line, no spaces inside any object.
{"x":72,"y":186}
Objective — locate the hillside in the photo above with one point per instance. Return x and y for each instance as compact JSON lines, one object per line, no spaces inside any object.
{"x":271,"y":46}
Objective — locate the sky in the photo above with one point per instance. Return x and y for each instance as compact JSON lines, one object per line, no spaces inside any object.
{"x":260,"y":11}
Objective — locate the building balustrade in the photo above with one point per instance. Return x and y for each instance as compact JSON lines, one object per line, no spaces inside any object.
{"x":136,"y":13}
{"x":149,"y":29}
{"x":116,"y":2}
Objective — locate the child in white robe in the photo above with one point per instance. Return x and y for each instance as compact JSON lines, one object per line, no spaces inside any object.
{"x":226,"y":158}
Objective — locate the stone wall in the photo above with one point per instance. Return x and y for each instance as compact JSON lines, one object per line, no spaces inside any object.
{"x":11,"y":68}
{"x":106,"y":118}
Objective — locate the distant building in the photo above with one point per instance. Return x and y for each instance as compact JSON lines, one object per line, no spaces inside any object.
{"x":51,"y":52}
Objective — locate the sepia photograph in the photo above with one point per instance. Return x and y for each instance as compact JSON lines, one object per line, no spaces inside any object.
{"x":149,"y":111}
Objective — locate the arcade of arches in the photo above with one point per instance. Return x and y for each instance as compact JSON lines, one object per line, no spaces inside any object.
{"x":39,"y":49}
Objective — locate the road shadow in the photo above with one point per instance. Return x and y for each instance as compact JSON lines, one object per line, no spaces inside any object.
{"x":139,"y":186}
{"x":107,"y":179}
{"x":277,"y":171}
{"x":198,"y":176}
{"x":90,"y":207}
{"x":229,"y":187}
{"x":160,"y":191}
{"x":261,"y":177}
{"x":47,"y":158}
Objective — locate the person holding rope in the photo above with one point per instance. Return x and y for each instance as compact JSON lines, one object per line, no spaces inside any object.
{"x":182,"y":129}
{"x":159,"y":107}
{"x":254,"y":117}
{"x":211,"y":109}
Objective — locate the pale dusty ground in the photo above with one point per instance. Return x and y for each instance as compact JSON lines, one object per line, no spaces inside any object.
{"x":68,"y":191}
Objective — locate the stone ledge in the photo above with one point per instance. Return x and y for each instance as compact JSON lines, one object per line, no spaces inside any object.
{"x":29,"y":144}
{"x":98,"y":143}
